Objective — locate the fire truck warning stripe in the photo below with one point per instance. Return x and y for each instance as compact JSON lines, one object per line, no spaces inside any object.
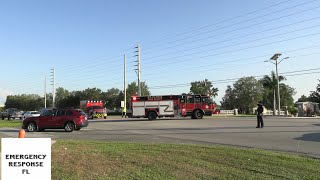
{"x":155,"y":106}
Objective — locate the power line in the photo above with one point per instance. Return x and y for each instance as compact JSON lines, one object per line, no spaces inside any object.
{"x":240,"y":43}
{"x":97,"y":76}
{"x":96,"y":64}
{"x":220,"y":22}
{"x":235,"y":79}
{"x":201,"y":70}
{"x":209,"y":68}
{"x":232,"y":51}
{"x":248,"y":20}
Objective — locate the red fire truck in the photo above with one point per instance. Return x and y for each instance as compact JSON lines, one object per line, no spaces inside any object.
{"x":94,"y":109}
{"x":152,"y":107}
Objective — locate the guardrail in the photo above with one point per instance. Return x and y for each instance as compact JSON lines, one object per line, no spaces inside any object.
{"x":266,"y":113}
{"x":227,"y":112}
{"x":270,"y":113}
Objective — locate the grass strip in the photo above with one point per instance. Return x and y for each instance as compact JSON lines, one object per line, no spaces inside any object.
{"x":10,"y":123}
{"x":104,"y":160}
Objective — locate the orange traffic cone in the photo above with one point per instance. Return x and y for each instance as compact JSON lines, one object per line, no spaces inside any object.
{"x":22,"y":133}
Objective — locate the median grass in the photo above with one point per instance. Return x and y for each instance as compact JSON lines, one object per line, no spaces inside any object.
{"x":10,"y":123}
{"x":100,"y":160}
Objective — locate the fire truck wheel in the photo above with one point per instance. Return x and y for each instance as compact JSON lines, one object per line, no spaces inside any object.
{"x":152,"y":115}
{"x":197,"y":114}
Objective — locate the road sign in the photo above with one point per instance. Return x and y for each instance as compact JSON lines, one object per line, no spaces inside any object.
{"x":26,"y":158}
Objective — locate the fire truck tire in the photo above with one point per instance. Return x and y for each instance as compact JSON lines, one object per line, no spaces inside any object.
{"x":152,"y":115}
{"x":197,"y":114}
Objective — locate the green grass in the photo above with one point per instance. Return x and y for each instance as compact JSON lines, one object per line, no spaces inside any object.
{"x":99,"y":160}
{"x":10,"y":123}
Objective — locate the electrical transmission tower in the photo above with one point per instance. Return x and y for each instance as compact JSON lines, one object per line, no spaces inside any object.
{"x":138,"y":70}
{"x":53,"y":87}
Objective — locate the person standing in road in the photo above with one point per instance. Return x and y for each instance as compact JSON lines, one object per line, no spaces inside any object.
{"x":259,"y":115}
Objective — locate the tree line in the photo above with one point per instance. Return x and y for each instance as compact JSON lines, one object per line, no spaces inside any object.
{"x":242,"y":95}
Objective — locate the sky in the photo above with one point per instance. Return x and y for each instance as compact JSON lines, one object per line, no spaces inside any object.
{"x":180,"y":42}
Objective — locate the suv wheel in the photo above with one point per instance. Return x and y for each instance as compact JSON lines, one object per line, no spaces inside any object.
{"x":69,"y":127}
{"x":31,"y":127}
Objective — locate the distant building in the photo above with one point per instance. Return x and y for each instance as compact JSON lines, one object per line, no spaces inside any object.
{"x":307,"y":108}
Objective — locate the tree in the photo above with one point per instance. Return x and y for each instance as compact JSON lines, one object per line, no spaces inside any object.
{"x":315,"y":95}
{"x":61,"y":93}
{"x":48,"y":100}
{"x":25,"y":102}
{"x":244,"y":95}
{"x":287,"y":94}
{"x":229,"y":99}
{"x":303,"y":98}
{"x":270,"y":83}
{"x":91,"y":94}
{"x":132,"y":90}
{"x":111,"y":98}
{"x":203,"y":87}
{"x":61,"y":97}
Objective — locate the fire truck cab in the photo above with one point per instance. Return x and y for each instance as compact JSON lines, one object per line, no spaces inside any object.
{"x":151,"y":107}
{"x":94,"y":109}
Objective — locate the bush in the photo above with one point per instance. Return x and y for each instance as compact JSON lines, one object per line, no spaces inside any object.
{"x":293,"y":110}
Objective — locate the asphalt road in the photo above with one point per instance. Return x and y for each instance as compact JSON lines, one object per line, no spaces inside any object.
{"x":298,"y":135}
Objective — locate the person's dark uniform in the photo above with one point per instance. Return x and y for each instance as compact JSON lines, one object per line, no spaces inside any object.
{"x":259,"y":116}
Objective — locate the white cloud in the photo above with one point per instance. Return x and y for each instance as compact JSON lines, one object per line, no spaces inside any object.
{"x":3,"y":95}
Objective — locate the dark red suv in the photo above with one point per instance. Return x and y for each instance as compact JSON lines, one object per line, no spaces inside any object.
{"x":68,"y":119}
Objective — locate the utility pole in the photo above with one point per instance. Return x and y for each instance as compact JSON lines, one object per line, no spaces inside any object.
{"x":53,"y":87}
{"x":124,"y":88}
{"x":138,"y":70}
{"x":45,"y":91}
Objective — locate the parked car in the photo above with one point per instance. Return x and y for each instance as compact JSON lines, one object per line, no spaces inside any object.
{"x":30,"y":114}
{"x":67,"y":119}
{"x":11,"y":113}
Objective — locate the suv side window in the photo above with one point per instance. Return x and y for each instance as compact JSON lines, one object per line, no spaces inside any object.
{"x":61,"y":113}
{"x":47,"y":113}
{"x":69,"y":113}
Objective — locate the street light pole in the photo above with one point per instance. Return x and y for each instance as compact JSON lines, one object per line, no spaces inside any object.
{"x":124,"y":88}
{"x":278,"y":87}
{"x":275,"y":57}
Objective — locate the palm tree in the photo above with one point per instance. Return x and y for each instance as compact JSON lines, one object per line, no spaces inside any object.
{"x":271,"y":82}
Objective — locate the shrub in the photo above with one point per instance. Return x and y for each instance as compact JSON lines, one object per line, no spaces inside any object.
{"x":293,"y":110}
